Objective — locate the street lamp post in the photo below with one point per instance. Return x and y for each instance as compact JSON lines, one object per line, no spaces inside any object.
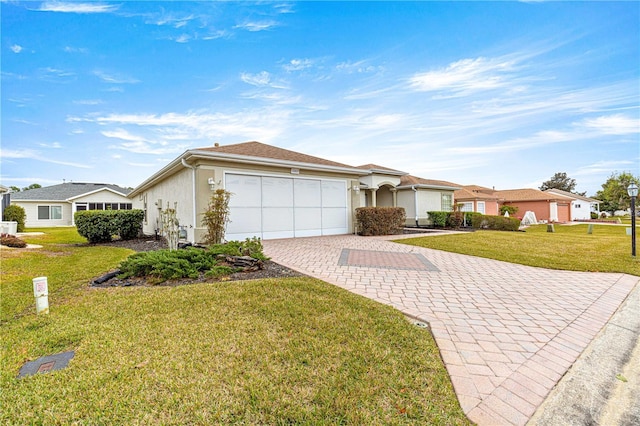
{"x":632,"y":190}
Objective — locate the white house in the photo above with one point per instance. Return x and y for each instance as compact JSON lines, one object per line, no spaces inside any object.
{"x":581,"y":206}
{"x":55,"y":205}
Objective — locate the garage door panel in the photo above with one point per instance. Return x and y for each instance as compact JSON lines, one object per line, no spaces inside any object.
{"x":334,"y":194}
{"x":334,"y":221}
{"x":246,"y":190}
{"x":283,"y":207}
{"x":307,"y":193}
{"x":277,"y":192}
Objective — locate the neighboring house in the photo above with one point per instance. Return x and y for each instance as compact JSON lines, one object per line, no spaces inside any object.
{"x":581,"y":206}
{"x":384,"y":187}
{"x":474,"y":198}
{"x":546,"y":206}
{"x":55,"y":205}
{"x":5,"y":200}
{"x":278,"y":193}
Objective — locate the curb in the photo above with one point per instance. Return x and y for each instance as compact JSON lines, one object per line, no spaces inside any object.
{"x":594,"y":390}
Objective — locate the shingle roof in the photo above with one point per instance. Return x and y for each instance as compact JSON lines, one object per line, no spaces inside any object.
{"x":572,"y":195}
{"x":414,"y":180}
{"x":472,"y":193}
{"x":376,"y":167}
{"x":65,"y":191}
{"x":258,"y":149}
{"x":527,"y":194}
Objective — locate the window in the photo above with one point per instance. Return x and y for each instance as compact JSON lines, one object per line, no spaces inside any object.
{"x":578,"y":206}
{"x":481,"y":207}
{"x":110,"y":206}
{"x":49,"y":212}
{"x":447,"y":202}
{"x":466,"y":207}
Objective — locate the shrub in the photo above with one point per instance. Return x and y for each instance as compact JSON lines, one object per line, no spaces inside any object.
{"x":469,"y":217}
{"x":216,"y":217}
{"x":15,"y":213}
{"x":97,"y":226}
{"x":128,"y":223}
{"x":251,"y":247}
{"x":496,"y":223}
{"x":168,"y":264}
{"x":455,"y":219}
{"x":219,"y":271}
{"x":508,"y":209}
{"x":438,"y":219}
{"x":12,"y":241}
{"x":594,"y":215}
{"x":380,"y":220}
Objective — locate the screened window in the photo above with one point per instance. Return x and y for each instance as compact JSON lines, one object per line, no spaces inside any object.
{"x":447,"y":202}
{"x":110,"y":206}
{"x":466,"y":207}
{"x":49,"y":212}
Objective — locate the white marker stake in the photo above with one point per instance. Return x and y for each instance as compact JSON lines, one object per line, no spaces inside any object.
{"x":41,"y":293}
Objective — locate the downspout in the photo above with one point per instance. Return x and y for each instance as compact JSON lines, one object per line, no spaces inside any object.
{"x":415,"y":203}
{"x":193,"y":194}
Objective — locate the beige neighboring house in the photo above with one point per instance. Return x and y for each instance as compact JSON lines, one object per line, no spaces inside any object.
{"x":278,"y":193}
{"x":55,"y":205}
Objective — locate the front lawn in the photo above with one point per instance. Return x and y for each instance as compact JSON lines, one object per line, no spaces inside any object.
{"x":279,"y":351}
{"x":608,"y":249}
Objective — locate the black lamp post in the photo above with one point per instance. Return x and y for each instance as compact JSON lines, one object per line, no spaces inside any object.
{"x":632,"y":190}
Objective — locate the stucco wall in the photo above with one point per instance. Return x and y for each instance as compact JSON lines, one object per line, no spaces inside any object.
{"x":31,"y":211}
{"x":580,"y":210}
{"x":539,"y":208}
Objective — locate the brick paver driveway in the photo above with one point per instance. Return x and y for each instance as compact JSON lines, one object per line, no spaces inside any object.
{"x":507,"y":333}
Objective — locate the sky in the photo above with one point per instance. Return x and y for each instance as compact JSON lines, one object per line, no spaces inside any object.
{"x":498,"y":94}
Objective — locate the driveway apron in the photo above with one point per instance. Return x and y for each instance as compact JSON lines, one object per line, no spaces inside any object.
{"x":507,"y":333}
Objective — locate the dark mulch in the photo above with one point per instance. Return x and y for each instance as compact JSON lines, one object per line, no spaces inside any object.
{"x":270,"y":269}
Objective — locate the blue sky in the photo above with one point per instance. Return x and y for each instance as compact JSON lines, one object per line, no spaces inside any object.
{"x":500,"y":94}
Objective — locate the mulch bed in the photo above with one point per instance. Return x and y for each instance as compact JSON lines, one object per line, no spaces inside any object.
{"x":270,"y":269}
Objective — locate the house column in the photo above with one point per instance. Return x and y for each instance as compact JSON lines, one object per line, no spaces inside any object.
{"x":374,"y":202}
{"x":394,"y":191}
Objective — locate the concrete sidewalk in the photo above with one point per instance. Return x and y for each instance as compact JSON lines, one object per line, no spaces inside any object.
{"x":507,"y":333}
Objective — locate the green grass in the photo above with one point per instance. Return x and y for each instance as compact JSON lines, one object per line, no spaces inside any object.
{"x":608,"y":249}
{"x":283,"y":351}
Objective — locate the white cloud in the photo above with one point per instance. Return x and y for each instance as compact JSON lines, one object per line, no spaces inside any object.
{"x":466,"y":75}
{"x":261,"y":79}
{"x":114,"y":78}
{"x":54,"y":145}
{"x":30,"y":154}
{"x":70,"y":49}
{"x":183,"y":38}
{"x":16,"y":48}
{"x":257,"y":26}
{"x":616,"y":124}
{"x":73,"y":7}
{"x":298,"y":65}
{"x":88,"y":102}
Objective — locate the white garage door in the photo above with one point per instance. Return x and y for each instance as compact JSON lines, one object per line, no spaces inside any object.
{"x":277,"y":207}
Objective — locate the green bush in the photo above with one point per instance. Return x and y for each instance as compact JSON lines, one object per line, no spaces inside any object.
{"x":219,"y":271}
{"x":469,"y":217}
{"x":380,"y":220}
{"x":594,"y":215}
{"x":15,"y":213}
{"x":128,"y":223}
{"x":496,"y":223}
{"x":455,"y":219}
{"x":438,"y":219}
{"x":251,"y":247}
{"x":168,"y":264}
{"x":508,"y":209}
{"x":99,"y":226}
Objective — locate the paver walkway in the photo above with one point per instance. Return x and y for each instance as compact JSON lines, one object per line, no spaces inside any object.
{"x":507,"y":333}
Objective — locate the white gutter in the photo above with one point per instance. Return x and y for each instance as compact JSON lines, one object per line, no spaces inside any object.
{"x":193,"y":194}
{"x":415,"y":202}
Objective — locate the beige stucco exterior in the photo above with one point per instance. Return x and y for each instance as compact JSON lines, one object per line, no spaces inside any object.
{"x":191,"y":184}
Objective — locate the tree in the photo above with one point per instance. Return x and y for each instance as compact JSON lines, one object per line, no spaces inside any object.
{"x":613,"y":194}
{"x":14,"y":189}
{"x":32,"y":186}
{"x":559,"y":181}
